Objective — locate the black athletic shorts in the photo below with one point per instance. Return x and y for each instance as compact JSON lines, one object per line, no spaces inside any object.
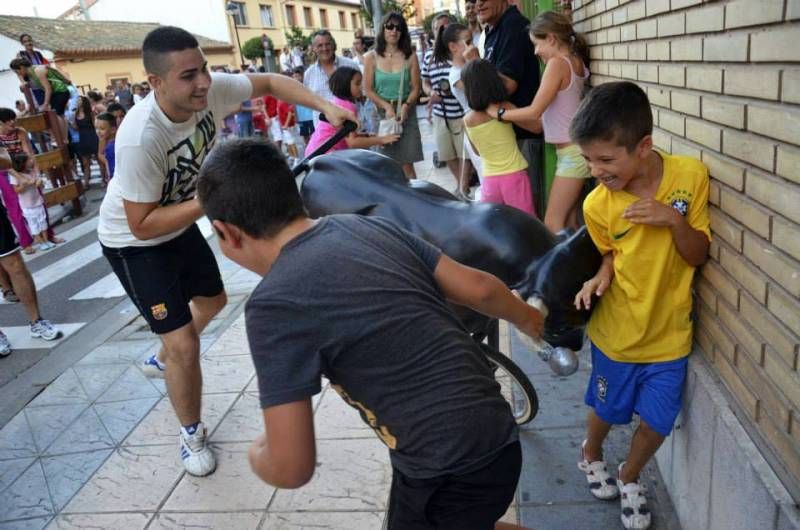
{"x":474,"y":501}
{"x":58,"y":102}
{"x":8,"y":238}
{"x":162,"y":280}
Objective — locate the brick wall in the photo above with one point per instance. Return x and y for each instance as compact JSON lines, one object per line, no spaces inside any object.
{"x":724,"y":82}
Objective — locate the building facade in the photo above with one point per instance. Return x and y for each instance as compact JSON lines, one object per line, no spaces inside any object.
{"x":724,"y":81}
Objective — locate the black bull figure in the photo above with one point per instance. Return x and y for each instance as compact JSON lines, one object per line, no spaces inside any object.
{"x":501,"y":240}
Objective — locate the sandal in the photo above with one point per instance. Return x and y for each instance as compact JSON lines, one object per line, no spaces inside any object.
{"x":633,"y":503}
{"x":10,"y":296}
{"x":602,"y":485}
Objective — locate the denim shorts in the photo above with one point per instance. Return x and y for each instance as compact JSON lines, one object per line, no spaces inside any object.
{"x":654,"y":391}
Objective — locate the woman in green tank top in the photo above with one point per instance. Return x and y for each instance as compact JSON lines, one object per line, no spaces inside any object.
{"x":54,"y":84}
{"x":391,"y":62}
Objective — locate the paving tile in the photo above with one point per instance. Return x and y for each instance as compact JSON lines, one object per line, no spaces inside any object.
{"x":243,"y":422}
{"x":96,"y":378}
{"x":132,"y":384}
{"x":593,"y":514}
{"x":560,"y":403}
{"x":176,"y":521}
{"x":351,"y":475}
{"x":99,"y":521}
{"x":161,"y":425}
{"x":123,"y":351}
{"x":227,"y":374}
{"x":65,"y":390}
{"x":10,"y":470}
{"x":550,"y":473}
{"x":27,"y":496}
{"x":16,"y":439}
{"x":120,"y":417}
{"x":66,"y":474}
{"x":336,"y":419}
{"x":37,"y":523}
{"x":87,"y":433}
{"x":327,"y":520}
{"x":47,"y":423}
{"x":232,"y":342}
{"x":232,"y":487}
{"x":133,"y":479}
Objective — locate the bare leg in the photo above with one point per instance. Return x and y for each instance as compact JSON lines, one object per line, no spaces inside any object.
{"x":563,"y":201}
{"x":203,"y":310}
{"x":509,"y":526}
{"x":5,"y":281}
{"x":181,"y":350}
{"x":86,"y":169}
{"x":644,"y":445}
{"x":22,"y":281}
{"x":409,"y":170}
{"x":596,"y":432}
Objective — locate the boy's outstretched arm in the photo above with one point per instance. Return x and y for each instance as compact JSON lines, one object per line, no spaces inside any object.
{"x":598,"y":284}
{"x":486,"y":294}
{"x":285,"y":455}
{"x":692,"y":244}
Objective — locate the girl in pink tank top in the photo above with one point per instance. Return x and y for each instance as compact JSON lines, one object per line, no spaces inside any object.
{"x":565,"y":54}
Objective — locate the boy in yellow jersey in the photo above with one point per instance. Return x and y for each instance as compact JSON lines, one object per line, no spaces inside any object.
{"x":649,"y":219}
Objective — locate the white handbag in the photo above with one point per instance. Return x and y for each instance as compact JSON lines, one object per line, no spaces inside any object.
{"x":389,"y":126}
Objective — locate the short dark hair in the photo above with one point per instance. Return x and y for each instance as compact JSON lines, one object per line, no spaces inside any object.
{"x":340,"y":80}
{"x":247,"y":183}
{"x":404,"y":44}
{"x":482,"y":84}
{"x":115,"y":107}
{"x":94,"y":95}
{"x":7,"y":114}
{"x":161,"y":41}
{"x":323,"y":33}
{"x":107,"y":117}
{"x":23,"y":35}
{"x":298,"y":70}
{"x":18,"y":63}
{"x":18,"y":160}
{"x":618,"y":111}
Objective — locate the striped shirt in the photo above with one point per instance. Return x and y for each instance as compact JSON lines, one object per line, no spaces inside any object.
{"x":436,"y":73}
{"x":316,"y":80}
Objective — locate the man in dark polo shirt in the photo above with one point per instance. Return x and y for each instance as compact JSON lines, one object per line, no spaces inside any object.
{"x":509,"y":48}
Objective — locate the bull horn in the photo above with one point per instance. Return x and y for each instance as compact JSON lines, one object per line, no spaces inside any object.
{"x":562,"y":361}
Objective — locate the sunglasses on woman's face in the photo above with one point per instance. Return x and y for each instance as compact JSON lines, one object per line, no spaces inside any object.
{"x":391,"y":27}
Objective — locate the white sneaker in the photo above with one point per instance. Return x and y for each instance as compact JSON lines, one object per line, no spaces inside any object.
{"x":601,"y":484}
{"x":5,"y":346}
{"x":198,"y":459}
{"x":633,"y":503}
{"x":44,"y":329}
{"x":154,"y":368}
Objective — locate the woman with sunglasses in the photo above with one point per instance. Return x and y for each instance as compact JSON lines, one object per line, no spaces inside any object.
{"x":391,"y":76}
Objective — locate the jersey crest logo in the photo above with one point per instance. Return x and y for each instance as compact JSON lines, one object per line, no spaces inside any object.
{"x":602,"y":388}
{"x":159,"y":311}
{"x":680,"y":199}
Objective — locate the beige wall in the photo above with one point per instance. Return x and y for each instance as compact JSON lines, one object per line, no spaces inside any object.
{"x":98,"y":72}
{"x":724,"y":82}
{"x":342,"y":34}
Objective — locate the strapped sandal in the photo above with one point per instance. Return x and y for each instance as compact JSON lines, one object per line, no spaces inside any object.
{"x":633,"y":503}
{"x":601,"y":484}
{"x":10,"y":296}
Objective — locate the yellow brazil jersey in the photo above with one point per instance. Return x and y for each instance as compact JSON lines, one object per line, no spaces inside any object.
{"x":644,"y":316}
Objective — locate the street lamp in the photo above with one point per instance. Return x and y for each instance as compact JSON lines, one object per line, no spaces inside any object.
{"x":232,"y":8}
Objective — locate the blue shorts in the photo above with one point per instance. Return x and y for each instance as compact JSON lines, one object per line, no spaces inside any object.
{"x":654,"y":391}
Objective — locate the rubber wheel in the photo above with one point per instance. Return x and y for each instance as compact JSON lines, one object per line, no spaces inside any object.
{"x":525,"y":402}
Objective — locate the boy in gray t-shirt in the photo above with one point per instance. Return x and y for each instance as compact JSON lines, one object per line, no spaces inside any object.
{"x":364,"y":303}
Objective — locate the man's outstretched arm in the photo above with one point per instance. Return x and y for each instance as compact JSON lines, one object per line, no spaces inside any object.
{"x":486,"y":294}
{"x":287,"y":89}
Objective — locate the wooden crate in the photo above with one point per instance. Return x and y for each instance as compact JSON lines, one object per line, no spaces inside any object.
{"x":61,"y":194}
{"x":33,"y":123}
{"x":50,"y":159}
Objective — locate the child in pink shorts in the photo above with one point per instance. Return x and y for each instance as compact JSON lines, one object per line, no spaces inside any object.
{"x":505,"y":175}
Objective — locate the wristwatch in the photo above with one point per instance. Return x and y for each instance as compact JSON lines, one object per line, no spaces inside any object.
{"x":500,"y":113}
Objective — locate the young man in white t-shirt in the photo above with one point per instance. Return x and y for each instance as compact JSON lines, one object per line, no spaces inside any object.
{"x":147,"y":219}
